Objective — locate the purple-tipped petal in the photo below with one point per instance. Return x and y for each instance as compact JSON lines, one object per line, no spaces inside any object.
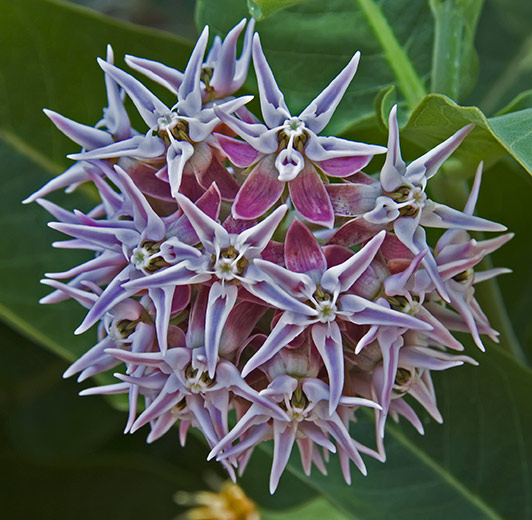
{"x":303,"y":254}
{"x":328,"y":341}
{"x":222,"y":299}
{"x":282,"y":334}
{"x":189,"y":93}
{"x":319,"y":112}
{"x":284,"y":436}
{"x":428,"y":164}
{"x":391,"y":176}
{"x":320,"y":148}
{"x":273,"y":106}
{"x":341,"y":277}
{"x":177,"y":155}
{"x":310,"y":197}
{"x":86,"y":136}
{"x":150,"y":107}
{"x":207,"y":229}
{"x":254,"y":239}
{"x":166,"y":76}
{"x":260,"y":191}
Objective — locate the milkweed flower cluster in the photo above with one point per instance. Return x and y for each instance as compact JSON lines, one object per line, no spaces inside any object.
{"x":244,"y":271}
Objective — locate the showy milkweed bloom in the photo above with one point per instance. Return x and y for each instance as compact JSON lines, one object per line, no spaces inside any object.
{"x":210,"y":285}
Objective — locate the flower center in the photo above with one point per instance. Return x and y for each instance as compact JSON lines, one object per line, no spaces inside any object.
{"x":464,"y":276}
{"x":410,"y":198}
{"x":296,"y":407}
{"x":405,"y":379}
{"x":147,"y":258}
{"x":198,"y":381}
{"x":408,"y":305}
{"x":229,"y":265}
{"x":325,"y":304}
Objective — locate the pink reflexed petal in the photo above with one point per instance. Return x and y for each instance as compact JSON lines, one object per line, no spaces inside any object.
{"x":328,"y":341}
{"x":240,"y":323}
{"x":274,"y":252}
{"x":207,"y":229}
{"x":284,"y":436}
{"x":145,"y":178}
{"x":351,"y":200}
{"x":190,"y":187}
{"x":217,"y":173}
{"x":310,"y":197}
{"x":303,"y":254}
{"x":240,"y":153}
{"x":260,"y":191}
{"x":282,"y":334}
{"x":222,"y":299}
{"x":354,"y":232}
{"x":395,"y":284}
{"x":344,"y":166}
{"x":344,"y":275}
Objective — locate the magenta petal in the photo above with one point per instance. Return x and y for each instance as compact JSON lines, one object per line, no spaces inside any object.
{"x":354,"y":232}
{"x":260,"y":191}
{"x":240,"y":153}
{"x":310,"y":197}
{"x":344,"y":166}
{"x":217,"y":173}
{"x":303,"y":254}
{"x":353,"y":199}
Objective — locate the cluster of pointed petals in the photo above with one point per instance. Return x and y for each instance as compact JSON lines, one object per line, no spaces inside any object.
{"x":246,"y":278}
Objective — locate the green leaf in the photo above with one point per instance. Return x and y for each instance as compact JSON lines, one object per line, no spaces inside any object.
{"x":318,"y":509}
{"x":394,"y":36}
{"x":455,"y":62}
{"x":48,"y":60}
{"x":261,"y":9}
{"x":437,"y":116}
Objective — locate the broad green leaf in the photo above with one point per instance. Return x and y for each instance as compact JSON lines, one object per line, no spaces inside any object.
{"x":520,"y":102}
{"x":48,"y":60}
{"x":394,"y":37}
{"x":318,"y":509}
{"x":455,"y":62}
{"x":261,"y":9}
{"x":504,"y":46}
{"x":437,"y":116}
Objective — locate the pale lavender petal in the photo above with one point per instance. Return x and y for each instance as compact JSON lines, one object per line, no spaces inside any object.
{"x":222,"y":299}
{"x":86,"y":136}
{"x":242,"y":63}
{"x":150,"y":107}
{"x":284,"y":437}
{"x":113,"y":294}
{"x":391,"y":176}
{"x":319,"y":112}
{"x":207,"y":229}
{"x":106,"y":259}
{"x":254,"y":239}
{"x":428,"y":164}
{"x":273,"y":106}
{"x":315,"y":434}
{"x":403,"y":408}
{"x":328,"y":341}
{"x":89,"y":358}
{"x":294,"y":284}
{"x":310,"y":197}
{"x":320,"y":148}
{"x":364,"y":312}
{"x":282,"y":334}
{"x":424,"y":394}
{"x":473,"y":196}
{"x":58,"y":212}
{"x":85,"y":298}
{"x":166,"y":76}
{"x":146,"y":219}
{"x":303,"y":254}
{"x":482,"y":276}
{"x":189,"y":93}
{"x":439,"y":216}
{"x":162,"y":300}
{"x":177,"y":155}
{"x":196,"y":406}
{"x":260,"y":191}
{"x":141,"y":146}
{"x":396,"y":283}
{"x":341,"y":277}
{"x":74,"y":175}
